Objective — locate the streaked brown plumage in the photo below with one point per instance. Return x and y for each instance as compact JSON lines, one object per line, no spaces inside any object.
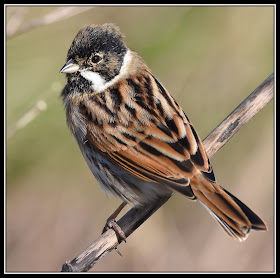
{"x":135,"y":137}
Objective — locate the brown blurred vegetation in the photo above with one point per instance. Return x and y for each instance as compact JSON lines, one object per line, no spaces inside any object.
{"x":210,"y":59}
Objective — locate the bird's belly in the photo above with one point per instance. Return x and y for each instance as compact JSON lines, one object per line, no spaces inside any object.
{"x":126,"y":186}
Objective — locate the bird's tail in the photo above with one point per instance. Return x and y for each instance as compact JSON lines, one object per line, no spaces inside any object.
{"x":234,"y":216}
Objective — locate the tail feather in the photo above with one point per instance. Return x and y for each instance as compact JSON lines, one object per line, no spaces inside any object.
{"x":233,"y":216}
{"x":256,"y":222}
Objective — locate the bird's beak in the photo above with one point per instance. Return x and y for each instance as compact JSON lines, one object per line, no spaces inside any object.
{"x":70,"y":67}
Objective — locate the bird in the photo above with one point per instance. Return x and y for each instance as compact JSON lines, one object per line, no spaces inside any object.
{"x":136,"y":139}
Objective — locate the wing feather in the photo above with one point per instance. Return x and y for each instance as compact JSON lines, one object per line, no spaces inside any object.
{"x":153,"y":144}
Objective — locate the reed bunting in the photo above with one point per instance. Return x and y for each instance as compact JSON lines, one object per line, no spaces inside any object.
{"x":134,"y":136}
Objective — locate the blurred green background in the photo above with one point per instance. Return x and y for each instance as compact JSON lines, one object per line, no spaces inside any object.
{"x":210,"y":59}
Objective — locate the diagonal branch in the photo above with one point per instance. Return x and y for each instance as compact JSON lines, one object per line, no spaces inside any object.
{"x":108,"y":241}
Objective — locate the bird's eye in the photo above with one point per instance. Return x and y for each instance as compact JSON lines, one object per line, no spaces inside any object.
{"x":96,"y":58}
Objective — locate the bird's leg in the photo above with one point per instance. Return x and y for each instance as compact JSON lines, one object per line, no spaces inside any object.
{"x":112,"y":223}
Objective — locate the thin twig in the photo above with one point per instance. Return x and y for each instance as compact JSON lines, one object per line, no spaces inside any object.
{"x":212,"y":143}
{"x":40,"y":106}
{"x":27,"y":118}
{"x":16,"y":26}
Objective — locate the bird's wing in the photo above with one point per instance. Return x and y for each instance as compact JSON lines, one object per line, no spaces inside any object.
{"x":140,"y":128}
